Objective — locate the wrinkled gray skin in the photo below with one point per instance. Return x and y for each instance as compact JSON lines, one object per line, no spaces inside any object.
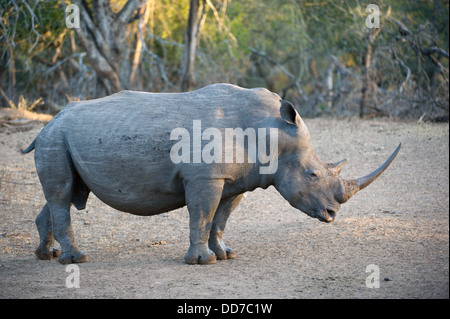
{"x":118,"y":147}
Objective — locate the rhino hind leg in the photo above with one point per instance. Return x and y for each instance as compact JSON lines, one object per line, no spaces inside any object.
{"x":63,"y":233}
{"x":58,"y":179}
{"x":216,"y":243}
{"x":45,"y":249}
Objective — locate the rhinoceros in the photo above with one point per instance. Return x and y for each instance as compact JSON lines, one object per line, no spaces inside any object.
{"x":122,"y":148}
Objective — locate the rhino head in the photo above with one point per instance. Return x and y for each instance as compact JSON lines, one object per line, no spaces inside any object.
{"x":306,"y":182}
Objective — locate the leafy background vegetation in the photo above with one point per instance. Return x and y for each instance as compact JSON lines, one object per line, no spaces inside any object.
{"x":319,"y":54}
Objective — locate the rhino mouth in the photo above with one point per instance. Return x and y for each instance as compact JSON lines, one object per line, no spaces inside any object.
{"x":326,"y":215}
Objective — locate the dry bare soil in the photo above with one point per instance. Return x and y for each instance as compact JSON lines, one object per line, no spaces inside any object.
{"x":400,"y":224}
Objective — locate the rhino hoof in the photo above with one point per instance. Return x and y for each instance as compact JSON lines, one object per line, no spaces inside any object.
{"x":205,"y":259}
{"x":231,"y":254}
{"x":225,"y":254}
{"x":67,"y":258}
{"x":47,"y":254}
{"x":56,"y":253}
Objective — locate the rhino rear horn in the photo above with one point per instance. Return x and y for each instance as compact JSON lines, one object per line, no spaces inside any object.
{"x":336,"y":168}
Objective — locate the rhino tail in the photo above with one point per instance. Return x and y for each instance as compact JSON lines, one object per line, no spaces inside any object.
{"x":29,"y":148}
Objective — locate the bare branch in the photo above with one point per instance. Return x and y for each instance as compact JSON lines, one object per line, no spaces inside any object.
{"x":220,"y":21}
{"x":104,"y":14}
{"x":144,"y":14}
{"x":429,"y":51}
{"x":124,"y":15}
{"x":7,"y":100}
{"x":407,"y":35}
{"x":79,"y":55}
{"x":33,"y":23}
{"x":408,"y":74}
{"x":157,"y":61}
{"x":95,"y":33}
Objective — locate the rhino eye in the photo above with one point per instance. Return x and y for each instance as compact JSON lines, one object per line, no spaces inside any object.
{"x":311,"y":174}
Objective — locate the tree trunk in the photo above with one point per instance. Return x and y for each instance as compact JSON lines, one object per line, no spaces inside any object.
{"x":188,"y":76}
{"x":102,"y":36}
{"x":366,"y":86}
{"x":144,"y":14}
{"x":12,"y":74}
{"x":367,"y":83}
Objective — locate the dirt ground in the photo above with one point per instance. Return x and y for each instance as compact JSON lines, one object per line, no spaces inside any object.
{"x":399,"y":225}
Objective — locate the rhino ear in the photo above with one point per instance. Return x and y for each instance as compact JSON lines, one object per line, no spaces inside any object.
{"x":289,"y":114}
{"x":336,"y":168}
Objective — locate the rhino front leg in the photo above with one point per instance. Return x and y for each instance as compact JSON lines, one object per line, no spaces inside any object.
{"x":202,"y":199}
{"x":216,"y":243}
{"x":45,"y":249}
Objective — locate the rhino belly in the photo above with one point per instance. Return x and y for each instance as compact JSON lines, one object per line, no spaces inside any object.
{"x":126,"y":191}
{"x":128,"y":171}
{"x":152,"y":204}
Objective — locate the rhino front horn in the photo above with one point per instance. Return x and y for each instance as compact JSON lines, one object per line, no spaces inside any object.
{"x":353,"y":186}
